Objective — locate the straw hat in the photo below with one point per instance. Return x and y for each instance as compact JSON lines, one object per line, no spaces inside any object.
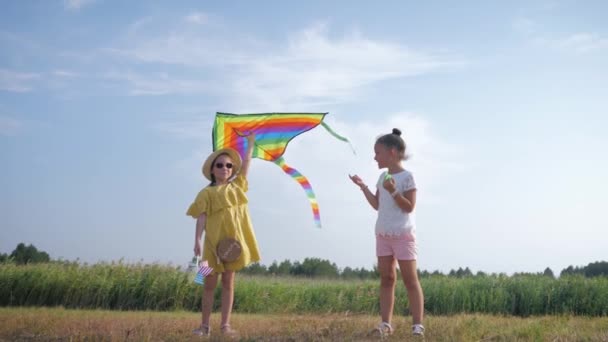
{"x":233,"y":154}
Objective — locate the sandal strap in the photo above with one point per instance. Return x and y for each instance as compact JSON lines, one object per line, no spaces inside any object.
{"x":386,"y":325}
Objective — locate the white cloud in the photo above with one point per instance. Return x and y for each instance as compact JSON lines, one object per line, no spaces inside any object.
{"x":21,"y":82}
{"x":17,"y":81}
{"x":313,"y":67}
{"x":582,"y":42}
{"x":76,"y":4}
{"x":579,"y":43}
{"x":158,"y":83}
{"x":64,"y":73}
{"x":197,"y":18}
{"x":310,"y":67}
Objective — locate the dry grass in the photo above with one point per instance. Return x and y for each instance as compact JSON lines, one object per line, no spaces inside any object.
{"x":57,"y":324}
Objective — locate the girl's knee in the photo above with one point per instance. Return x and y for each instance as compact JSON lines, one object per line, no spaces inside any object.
{"x":227,"y":285}
{"x":387,"y":280}
{"x":227,"y":282}
{"x":412,"y":284}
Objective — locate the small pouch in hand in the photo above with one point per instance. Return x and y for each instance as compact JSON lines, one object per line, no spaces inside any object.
{"x":228,"y":250}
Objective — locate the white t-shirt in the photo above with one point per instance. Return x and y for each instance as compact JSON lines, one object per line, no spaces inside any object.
{"x":392,"y":221}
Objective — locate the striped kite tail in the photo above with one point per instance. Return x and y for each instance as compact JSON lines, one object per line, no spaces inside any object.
{"x":305,"y":184}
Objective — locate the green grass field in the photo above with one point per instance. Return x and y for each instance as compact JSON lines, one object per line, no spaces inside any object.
{"x":166,"y":288}
{"x":58,"y":324}
{"x":118,"y":302}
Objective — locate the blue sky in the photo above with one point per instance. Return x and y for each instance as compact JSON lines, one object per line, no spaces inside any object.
{"x":106,"y":111}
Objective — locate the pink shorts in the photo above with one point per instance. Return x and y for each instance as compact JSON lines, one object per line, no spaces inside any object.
{"x":402,"y":247}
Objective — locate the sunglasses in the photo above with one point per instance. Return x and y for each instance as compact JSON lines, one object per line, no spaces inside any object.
{"x":221,"y":165}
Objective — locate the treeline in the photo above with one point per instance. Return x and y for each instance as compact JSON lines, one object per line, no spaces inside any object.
{"x":25,"y":254}
{"x":321,"y":268}
{"x":315,"y":267}
{"x":594,"y":269}
{"x":310,"y":268}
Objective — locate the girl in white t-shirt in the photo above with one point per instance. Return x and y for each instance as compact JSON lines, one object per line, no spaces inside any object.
{"x":395,"y":199}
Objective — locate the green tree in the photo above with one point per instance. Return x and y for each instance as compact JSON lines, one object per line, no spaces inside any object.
{"x":255,"y":269}
{"x":28,"y":254}
{"x":349,"y":273}
{"x":594,"y":269}
{"x":548,"y":273}
{"x":461,"y":273}
{"x":315,"y":267}
{"x":284,"y":268}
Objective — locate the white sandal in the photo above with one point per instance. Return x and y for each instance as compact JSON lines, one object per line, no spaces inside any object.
{"x":228,"y":331}
{"x":204,"y":330}
{"x":384,"y":329}
{"x":418,"y":330}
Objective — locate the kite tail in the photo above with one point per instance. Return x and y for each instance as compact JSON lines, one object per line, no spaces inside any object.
{"x":338,"y":136}
{"x":298,"y":177}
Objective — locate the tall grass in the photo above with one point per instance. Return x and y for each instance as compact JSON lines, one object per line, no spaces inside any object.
{"x":120,"y":286}
{"x":523,"y":295}
{"x":105,"y":286}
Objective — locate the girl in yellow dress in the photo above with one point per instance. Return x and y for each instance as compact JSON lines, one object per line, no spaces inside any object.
{"x":221,"y":210}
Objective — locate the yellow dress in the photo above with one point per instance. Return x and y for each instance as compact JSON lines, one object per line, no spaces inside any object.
{"x":227,"y":217}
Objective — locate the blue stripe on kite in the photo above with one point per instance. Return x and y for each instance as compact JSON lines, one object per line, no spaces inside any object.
{"x":271,"y":138}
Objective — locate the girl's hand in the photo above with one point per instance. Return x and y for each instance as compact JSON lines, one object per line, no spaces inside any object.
{"x":248,"y":154}
{"x":357,"y":180}
{"x":197,"y":248}
{"x":389,"y":185}
{"x":251,"y":138}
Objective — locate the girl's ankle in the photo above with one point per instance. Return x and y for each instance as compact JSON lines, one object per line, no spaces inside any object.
{"x":226,"y":329}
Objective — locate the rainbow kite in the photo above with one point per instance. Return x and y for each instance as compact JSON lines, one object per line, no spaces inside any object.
{"x":273,"y":131}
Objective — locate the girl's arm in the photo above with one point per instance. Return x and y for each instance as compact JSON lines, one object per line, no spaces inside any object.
{"x":200,"y":227}
{"x":406,"y":201}
{"x":248,"y":154}
{"x":371,"y":198}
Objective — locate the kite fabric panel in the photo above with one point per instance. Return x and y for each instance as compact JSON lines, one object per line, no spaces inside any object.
{"x":273,"y":131}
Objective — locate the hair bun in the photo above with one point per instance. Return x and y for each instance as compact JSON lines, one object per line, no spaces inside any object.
{"x":396,"y":132}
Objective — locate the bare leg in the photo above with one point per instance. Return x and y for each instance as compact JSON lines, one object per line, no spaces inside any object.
{"x":227,"y":296}
{"x":414,"y":291}
{"x":386,"y":267}
{"x":207,"y":300}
